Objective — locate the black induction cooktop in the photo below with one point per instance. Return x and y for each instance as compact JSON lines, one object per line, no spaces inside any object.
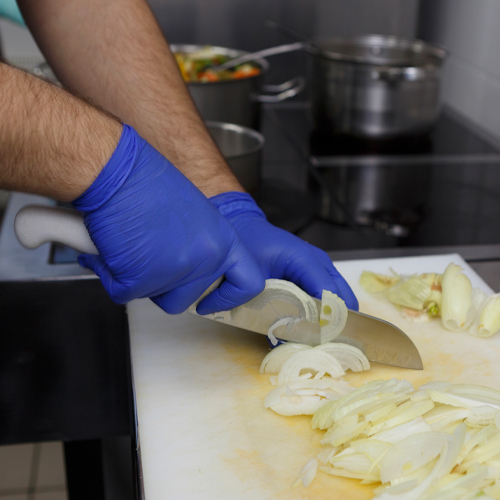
{"x":340,"y":192}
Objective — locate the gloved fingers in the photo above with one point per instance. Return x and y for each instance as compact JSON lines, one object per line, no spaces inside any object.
{"x":344,"y":290}
{"x":178,"y":300}
{"x":95,"y":263}
{"x":243,"y":282}
{"x":314,"y":278}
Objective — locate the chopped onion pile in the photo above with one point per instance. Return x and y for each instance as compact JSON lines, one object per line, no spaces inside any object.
{"x":308,"y":377}
{"x":449,"y":295}
{"x":439,"y":442}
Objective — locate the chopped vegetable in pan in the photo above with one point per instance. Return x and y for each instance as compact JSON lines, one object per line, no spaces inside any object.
{"x":196,"y":67}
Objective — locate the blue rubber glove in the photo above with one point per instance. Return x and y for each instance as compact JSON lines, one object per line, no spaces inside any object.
{"x":158,"y":236}
{"x":279,"y":253}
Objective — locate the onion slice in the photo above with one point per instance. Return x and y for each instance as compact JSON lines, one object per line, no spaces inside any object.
{"x":313,"y":360}
{"x":275,"y":359}
{"x":333,"y":316}
{"x":350,"y":357}
{"x":456,"y":299}
{"x":308,"y":473}
{"x":281,"y":290}
{"x":300,"y":397}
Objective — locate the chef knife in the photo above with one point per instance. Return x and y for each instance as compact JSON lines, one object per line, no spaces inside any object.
{"x":381,"y":341}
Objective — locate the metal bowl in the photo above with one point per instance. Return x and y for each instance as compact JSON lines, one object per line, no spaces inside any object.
{"x":241,"y":148}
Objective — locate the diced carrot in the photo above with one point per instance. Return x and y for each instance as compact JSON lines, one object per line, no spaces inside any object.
{"x":208,"y":76}
{"x":245,"y":73}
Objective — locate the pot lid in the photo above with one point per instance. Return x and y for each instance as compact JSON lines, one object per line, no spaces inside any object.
{"x":380,"y":50}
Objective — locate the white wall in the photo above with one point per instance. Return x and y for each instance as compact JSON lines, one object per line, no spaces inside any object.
{"x":355,"y":17}
{"x":471,"y":80}
{"x":17,"y":42}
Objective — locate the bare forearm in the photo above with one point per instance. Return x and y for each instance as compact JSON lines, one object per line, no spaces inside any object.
{"x":114,"y":52}
{"x":51,"y":143}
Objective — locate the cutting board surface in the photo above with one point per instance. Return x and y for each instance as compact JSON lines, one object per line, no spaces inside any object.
{"x":204,"y":433}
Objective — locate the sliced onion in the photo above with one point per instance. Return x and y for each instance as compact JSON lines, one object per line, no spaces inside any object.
{"x":275,"y":395}
{"x":354,"y":475}
{"x":353,"y":461}
{"x":312,"y":359}
{"x":402,"y":431}
{"x":448,"y":398}
{"x":436,"y":385}
{"x":326,"y":416}
{"x":412,"y":453}
{"x":480,"y":437}
{"x":333,"y":316}
{"x":372,"y":448}
{"x":308,"y":473}
{"x":370,"y":404}
{"x":375,"y":283}
{"x":487,"y":318}
{"x":481,"y":416}
{"x":402,"y":414}
{"x":469,"y":482}
{"x":456,"y":299}
{"x":275,"y":359}
{"x":412,"y":292}
{"x":326,"y":453}
{"x":416,"y":449}
{"x":442,"y":416}
{"x":419,"y":396}
{"x":477,"y":392}
{"x":344,"y":431}
{"x":482,"y":453}
{"x":299,"y":397}
{"x":286,"y":291}
{"x":350,"y":357}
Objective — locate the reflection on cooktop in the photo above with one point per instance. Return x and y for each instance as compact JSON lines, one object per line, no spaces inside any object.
{"x":322,"y":144}
{"x":438,"y":189}
{"x":448,"y":137}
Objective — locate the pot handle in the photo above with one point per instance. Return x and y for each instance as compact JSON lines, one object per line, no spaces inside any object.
{"x":396,"y":74}
{"x":285,"y":90}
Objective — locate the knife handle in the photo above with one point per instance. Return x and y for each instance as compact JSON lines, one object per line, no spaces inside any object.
{"x":38,"y":224}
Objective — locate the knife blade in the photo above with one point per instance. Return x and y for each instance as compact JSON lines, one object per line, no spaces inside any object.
{"x":380,"y":341}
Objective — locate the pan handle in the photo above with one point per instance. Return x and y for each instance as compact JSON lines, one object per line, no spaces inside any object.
{"x":285,"y":90}
{"x":37,"y":224}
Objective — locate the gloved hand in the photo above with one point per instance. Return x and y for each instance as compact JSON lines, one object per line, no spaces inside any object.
{"x":158,"y":236}
{"x":279,"y":253}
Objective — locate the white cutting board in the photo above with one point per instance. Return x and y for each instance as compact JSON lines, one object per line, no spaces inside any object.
{"x":204,"y":433}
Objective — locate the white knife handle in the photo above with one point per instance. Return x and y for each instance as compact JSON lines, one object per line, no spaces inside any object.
{"x":37,"y":224}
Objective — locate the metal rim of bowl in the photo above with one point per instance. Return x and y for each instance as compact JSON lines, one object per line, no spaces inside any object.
{"x":241,"y":130}
{"x":225,"y":51}
{"x":384,"y":41}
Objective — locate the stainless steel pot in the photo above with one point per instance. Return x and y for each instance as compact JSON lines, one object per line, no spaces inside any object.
{"x":375,"y":86}
{"x":237,"y":101}
{"x":242,"y":149}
